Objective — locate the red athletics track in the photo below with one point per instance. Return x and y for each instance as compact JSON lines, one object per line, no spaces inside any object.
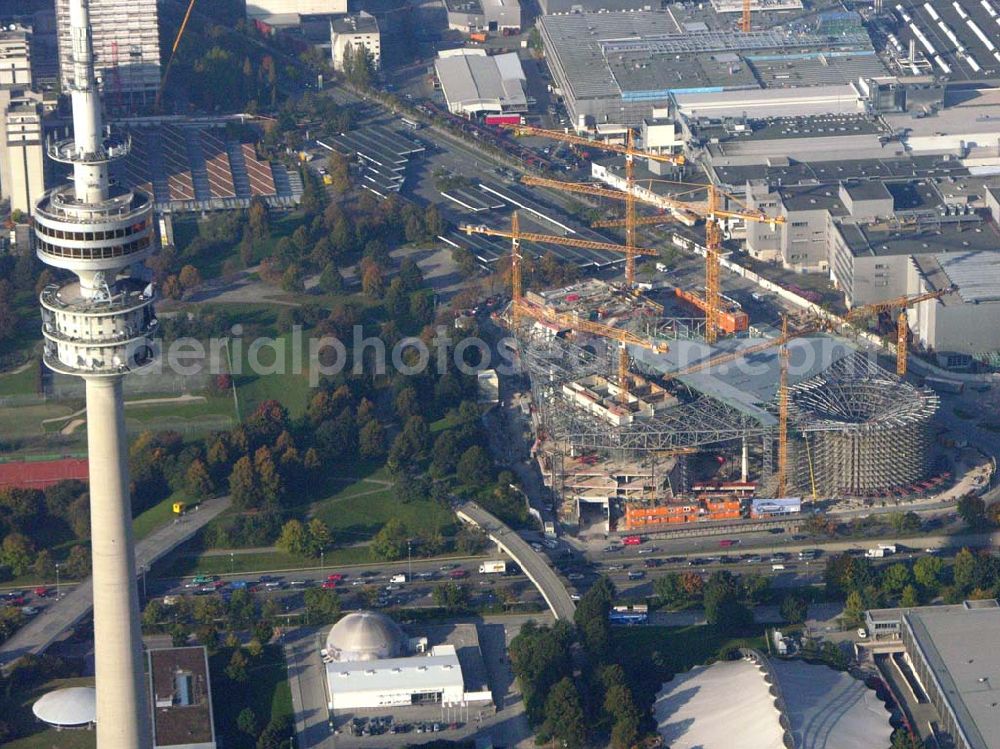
{"x":40,"y":474}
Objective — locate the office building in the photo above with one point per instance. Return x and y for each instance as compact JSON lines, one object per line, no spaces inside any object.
{"x":358,"y":31}
{"x":181,"y":693}
{"x":126,"y":43}
{"x":15,"y":57}
{"x":484,"y":15}
{"x":22,"y":165}
{"x":952,"y":657}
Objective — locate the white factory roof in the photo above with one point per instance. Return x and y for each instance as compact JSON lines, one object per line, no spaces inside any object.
{"x":73,"y":706}
{"x":472,"y":80}
{"x":420,"y":672}
{"x":771,"y":102}
{"x":977,"y":274}
{"x":730,"y":704}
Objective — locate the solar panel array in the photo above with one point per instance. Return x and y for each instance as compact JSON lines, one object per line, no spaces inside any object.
{"x":187,"y":167}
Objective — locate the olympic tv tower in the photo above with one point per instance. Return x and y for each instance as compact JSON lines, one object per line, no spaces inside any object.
{"x":99,"y":327}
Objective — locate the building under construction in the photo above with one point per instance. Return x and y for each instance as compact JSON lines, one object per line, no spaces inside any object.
{"x":854,"y":428}
{"x":860,"y":431}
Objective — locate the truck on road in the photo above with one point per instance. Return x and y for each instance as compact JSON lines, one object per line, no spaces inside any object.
{"x":880,"y":551}
{"x":632,"y":540}
{"x":494,"y":567}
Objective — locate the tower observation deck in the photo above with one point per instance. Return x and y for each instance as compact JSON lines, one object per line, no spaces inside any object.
{"x":100,"y":326}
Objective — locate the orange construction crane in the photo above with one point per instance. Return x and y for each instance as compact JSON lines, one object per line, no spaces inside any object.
{"x":745,"y":25}
{"x":521,"y":308}
{"x":173,"y":54}
{"x":710,"y":209}
{"x":902,"y":324}
{"x":630,"y":152}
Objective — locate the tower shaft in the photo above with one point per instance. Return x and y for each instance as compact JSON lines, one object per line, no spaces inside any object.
{"x":122,"y":705}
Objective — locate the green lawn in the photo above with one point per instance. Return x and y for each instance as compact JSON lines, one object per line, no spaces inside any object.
{"x":19,"y":383}
{"x":149,"y":520}
{"x":18,"y":713}
{"x":291,"y":389}
{"x":354,"y":515}
{"x":265,"y":691}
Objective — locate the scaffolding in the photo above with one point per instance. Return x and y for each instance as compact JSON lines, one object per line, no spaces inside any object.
{"x":863,"y":431}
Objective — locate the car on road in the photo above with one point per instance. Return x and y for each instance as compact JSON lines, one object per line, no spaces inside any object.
{"x":695,"y":562}
{"x":549,"y":543}
{"x":648,"y":550}
{"x":203,"y":579}
{"x":41,"y":592}
{"x":29,"y":610}
{"x":336,"y":577}
{"x":612,"y":548}
{"x":329,"y":585}
{"x":574,"y":576}
{"x":273,"y":584}
{"x":636,"y":575}
{"x":447,"y":567}
{"x":537,"y":546}
{"x":752,"y":558}
{"x":674,"y":560}
{"x":651,"y":563}
{"x":458,"y":574}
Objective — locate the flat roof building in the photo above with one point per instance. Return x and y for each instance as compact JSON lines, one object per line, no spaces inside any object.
{"x":483,"y":15}
{"x":953,"y":655}
{"x":22,"y":163}
{"x":15,"y":57}
{"x":370,"y":663}
{"x":290,"y":12}
{"x":126,"y":39}
{"x":181,"y":696}
{"x":358,"y":31}
{"x":475,"y":84}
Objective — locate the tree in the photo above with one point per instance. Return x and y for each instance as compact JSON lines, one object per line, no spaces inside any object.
{"x":474,"y":467}
{"x":372,"y":282}
{"x":450,"y":596}
{"x":905,"y":522}
{"x":407,"y":403}
{"x":927,"y":571}
{"x":909,"y":598}
{"x":322,"y":605}
{"x":445,"y":454}
{"x":540,"y":657}
{"x":972,"y":510}
{"x":371,"y":440}
{"x":198,"y":481}
{"x":318,"y":537}
{"x":293,"y":537}
{"x":77,"y":564}
{"x":390,"y":542}
{"x":964,"y":570}
{"x":432,"y":220}
{"x":668,"y":589}
{"x":591,"y":618}
{"x":854,"y":609}
{"x":620,"y":704}
{"x":330,"y":280}
{"x":18,"y":553}
{"x":903,"y":739}
{"x":246,"y":722}
{"x":564,"y":718}
{"x":243,"y":485}
{"x":722,"y":607}
{"x":794,"y":608}
{"x":895,"y":578}
{"x":237,"y":668}
{"x":189,"y":277}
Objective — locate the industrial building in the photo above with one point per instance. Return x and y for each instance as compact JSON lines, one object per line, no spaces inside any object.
{"x":276,"y":13}
{"x":370,"y":664}
{"x":616,"y":67}
{"x":474,"y":83}
{"x":358,"y":31}
{"x":948,"y":654}
{"x":484,"y":15}
{"x":126,"y":41}
{"x":181,"y":696}
{"x":761,"y":703}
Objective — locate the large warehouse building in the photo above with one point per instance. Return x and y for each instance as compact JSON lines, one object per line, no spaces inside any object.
{"x":616,"y":67}
{"x":475,"y":83}
{"x":952,"y":663}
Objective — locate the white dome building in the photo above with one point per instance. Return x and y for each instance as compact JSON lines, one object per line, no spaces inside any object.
{"x":365,"y":636}
{"x":73,"y":707}
{"x":371,"y":664}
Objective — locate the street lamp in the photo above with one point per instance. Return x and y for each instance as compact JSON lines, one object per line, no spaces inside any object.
{"x":409,"y":559}
{"x":232,"y":563}
{"x":58,"y":596}
{"x":322,"y":562}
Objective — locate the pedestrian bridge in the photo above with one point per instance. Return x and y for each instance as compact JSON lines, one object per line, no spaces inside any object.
{"x":533,"y":564}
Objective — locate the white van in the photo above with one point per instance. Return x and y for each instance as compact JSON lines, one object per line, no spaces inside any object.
{"x":777,"y":568}
{"x":396,"y":579}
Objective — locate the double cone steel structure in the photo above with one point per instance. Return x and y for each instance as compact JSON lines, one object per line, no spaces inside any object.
{"x":863,"y":430}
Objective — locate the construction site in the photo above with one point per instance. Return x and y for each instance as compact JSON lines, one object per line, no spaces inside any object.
{"x":653,"y":409}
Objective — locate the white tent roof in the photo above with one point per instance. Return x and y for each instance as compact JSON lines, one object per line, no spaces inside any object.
{"x":723,"y":706}
{"x":73,"y":706}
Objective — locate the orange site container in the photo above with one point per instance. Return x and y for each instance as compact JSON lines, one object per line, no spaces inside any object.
{"x":731,"y":320}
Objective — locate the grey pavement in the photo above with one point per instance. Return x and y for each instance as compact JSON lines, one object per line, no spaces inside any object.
{"x":56,"y":618}
{"x":305,"y":680}
{"x":533,"y":564}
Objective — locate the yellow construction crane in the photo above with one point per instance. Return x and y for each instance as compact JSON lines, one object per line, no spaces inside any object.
{"x":173,"y":54}
{"x":783,"y":412}
{"x":521,"y":308}
{"x":745,"y":24}
{"x":710,"y":209}
{"x":630,"y":152}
